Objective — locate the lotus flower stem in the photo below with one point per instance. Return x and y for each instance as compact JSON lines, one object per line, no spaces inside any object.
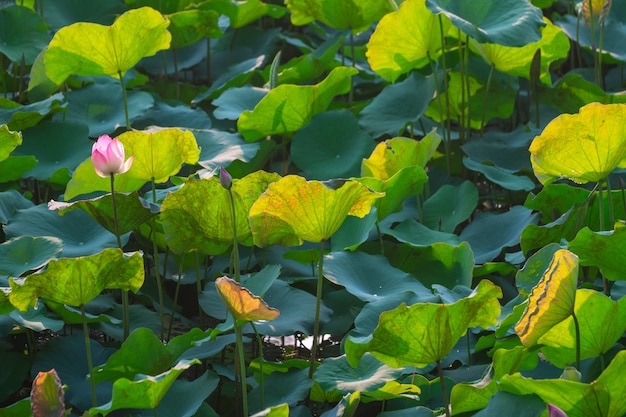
{"x":444,"y":390}
{"x":262,"y":376}
{"x":94,"y":398}
{"x":199,"y":289}
{"x":609,"y":192}
{"x":484,"y":115}
{"x":176,"y":291}
{"x":157,"y":272}
{"x":318,"y":305}
{"x":125,"y":98}
{"x":242,"y":368}
{"x":125,"y":308}
{"x":577,"y":330}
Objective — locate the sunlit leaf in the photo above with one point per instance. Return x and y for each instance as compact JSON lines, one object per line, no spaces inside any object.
{"x":602,"y":397}
{"x":407,"y":182}
{"x":287,"y":108}
{"x":601,"y":323}
{"x":294,"y":209}
{"x":25,"y":253}
{"x":392,"y":155}
{"x":189,"y":26}
{"x":9,"y":140}
{"x":583,"y":147}
{"x":77,"y":281}
{"x":435,"y":329}
{"x":241,"y":303}
{"x":517,"y":61}
{"x":551,"y":300}
{"x":145,"y":391}
{"x":193,"y":222}
{"x":158,"y":154}
{"x":405,"y":39}
{"x":356,"y":15}
{"x":602,"y":249}
{"x":47,"y":398}
{"x":505,"y":22}
{"x":91,"y":49}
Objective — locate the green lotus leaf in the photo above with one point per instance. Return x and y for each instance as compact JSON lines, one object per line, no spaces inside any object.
{"x":552,"y":300}
{"x":198,"y":216}
{"x":287,"y":107}
{"x":26,"y":253}
{"x":435,"y":329}
{"x":243,"y":13}
{"x":158,"y":154}
{"x":602,"y":397}
{"x":145,"y":391}
{"x":23,"y":34}
{"x":583,"y":147}
{"x":132,"y":210}
{"x":20,"y":117}
{"x":76,"y":281}
{"x":407,"y":182}
{"x":602,"y":322}
{"x":405,"y":39}
{"x":90,"y":49}
{"x":294,"y":209}
{"x":392,"y":155}
{"x":357,"y":15}
{"x":189,"y":26}
{"x":505,"y":22}
{"x":602,"y":249}
{"x":9,"y":140}
{"x":449,"y":206}
{"x":516,"y":61}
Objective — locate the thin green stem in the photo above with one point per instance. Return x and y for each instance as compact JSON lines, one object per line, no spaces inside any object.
{"x":157,"y":271}
{"x":469,"y":349}
{"x":199,"y":288}
{"x":125,"y":303}
{"x":577,"y":330}
{"x":380,"y":239}
{"x":609,"y":193}
{"x":125,"y":99}
{"x":94,"y":399}
{"x":176,"y":292}
{"x":242,"y":369}
{"x":393,"y":4}
{"x":487,"y":87}
{"x":444,"y":390}
{"x":601,"y":206}
{"x":445,"y":133}
{"x":262,"y":376}
{"x":235,"y":243}
{"x":318,"y":304}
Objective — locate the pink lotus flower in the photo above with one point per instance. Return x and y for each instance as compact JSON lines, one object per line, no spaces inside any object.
{"x":107,"y":156}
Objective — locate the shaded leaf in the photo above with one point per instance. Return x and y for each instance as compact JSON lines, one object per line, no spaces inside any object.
{"x":449,"y":206}
{"x":26,"y":253}
{"x":23,"y":34}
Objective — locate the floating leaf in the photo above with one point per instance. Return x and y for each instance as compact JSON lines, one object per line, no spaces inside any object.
{"x":77,"y":281}
{"x":158,"y":154}
{"x":396,"y":106}
{"x":91,"y":49}
{"x":405,"y":39}
{"x":435,"y":329}
{"x":287,"y":108}
{"x":392,"y":155}
{"x":26,"y":253}
{"x":47,"y":398}
{"x":241,"y":303}
{"x":293,"y":209}
{"x":193,"y":222}
{"x":551,"y":300}
{"x":505,"y":22}
{"x":24,"y":34}
{"x":317,"y":151}
{"x":583,"y":147}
